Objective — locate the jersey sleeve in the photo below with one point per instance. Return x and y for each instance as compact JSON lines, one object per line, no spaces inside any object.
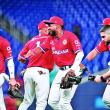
{"x":24,"y":51}
{"x":101,"y":47}
{"x":6,"y":49}
{"x":75,"y":43}
{"x":46,"y":44}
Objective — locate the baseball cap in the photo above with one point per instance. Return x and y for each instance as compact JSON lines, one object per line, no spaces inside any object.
{"x":106,"y":21}
{"x":42,"y":25}
{"x":55,"y":20}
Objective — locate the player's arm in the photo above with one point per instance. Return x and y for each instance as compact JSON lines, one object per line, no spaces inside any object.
{"x":6,"y":50}
{"x":23,"y":52}
{"x":101,"y":47}
{"x":77,"y":48}
{"x":37,"y":50}
{"x":108,"y":81}
{"x":78,"y":60}
{"x":41,"y":49}
{"x":22,"y":60}
{"x":106,"y":75}
{"x":99,"y":78}
{"x":89,"y":57}
{"x":92,"y":55}
{"x":11,"y":69}
{"x":34,"y":51}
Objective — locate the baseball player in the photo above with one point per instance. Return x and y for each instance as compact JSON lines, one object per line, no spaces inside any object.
{"x":36,"y":77}
{"x":5,"y":54}
{"x":67,"y":53}
{"x":103,"y":46}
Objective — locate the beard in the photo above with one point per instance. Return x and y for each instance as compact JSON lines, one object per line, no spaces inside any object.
{"x":52,"y":33}
{"x":107,"y":43}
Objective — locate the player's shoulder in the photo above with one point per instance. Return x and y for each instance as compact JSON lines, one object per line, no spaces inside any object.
{"x":102,"y":44}
{"x":33,"y":39}
{"x":40,"y":37}
{"x":69,"y":33}
{"x":3,"y":39}
{"x":4,"y":42}
{"x":43,"y":36}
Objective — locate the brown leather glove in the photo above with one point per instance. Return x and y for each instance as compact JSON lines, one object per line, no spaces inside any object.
{"x":65,"y":83}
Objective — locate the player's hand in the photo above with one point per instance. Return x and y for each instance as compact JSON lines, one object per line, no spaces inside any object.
{"x":12,"y":82}
{"x":81,"y":66}
{"x":97,"y":79}
{"x":108,"y":81}
{"x":30,"y":52}
{"x":22,"y":72}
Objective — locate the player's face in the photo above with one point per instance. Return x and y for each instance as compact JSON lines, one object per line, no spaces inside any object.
{"x":105,"y":36}
{"x":52,"y":29}
{"x":45,"y":30}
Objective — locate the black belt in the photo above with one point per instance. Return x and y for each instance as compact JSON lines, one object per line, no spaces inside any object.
{"x":65,"y":67}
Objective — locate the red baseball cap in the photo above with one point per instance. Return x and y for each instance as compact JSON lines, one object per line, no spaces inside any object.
{"x":106,"y":21}
{"x":42,"y":25}
{"x":55,"y":20}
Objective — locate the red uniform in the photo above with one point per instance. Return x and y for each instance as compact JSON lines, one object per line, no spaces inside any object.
{"x":41,"y":60}
{"x":101,"y":47}
{"x":64,"y":49}
{"x":5,"y":53}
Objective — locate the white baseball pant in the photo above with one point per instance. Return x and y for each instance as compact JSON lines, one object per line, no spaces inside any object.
{"x":3,"y":77}
{"x":34,"y":83}
{"x":106,"y":96}
{"x":59,"y":99}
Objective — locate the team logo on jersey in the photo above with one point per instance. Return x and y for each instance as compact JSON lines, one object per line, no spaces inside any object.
{"x":59,"y":52}
{"x":53,"y":48}
{"x":77,"y":43}
{"x":9,"y":49}
{"x":64,"y":41}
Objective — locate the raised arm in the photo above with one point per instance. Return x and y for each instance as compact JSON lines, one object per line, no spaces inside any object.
{"x":92,"y":55}
{"x":88,"y":58}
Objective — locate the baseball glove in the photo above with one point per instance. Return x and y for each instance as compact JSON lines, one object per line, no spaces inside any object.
{"x":65,"y":82}
{"x":15,"y":93}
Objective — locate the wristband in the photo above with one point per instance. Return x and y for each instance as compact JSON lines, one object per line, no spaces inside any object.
{"x":34,"y":51}
{"x":85,"y":61}
{"x":27,"y":61}
{"x":103,"y":80}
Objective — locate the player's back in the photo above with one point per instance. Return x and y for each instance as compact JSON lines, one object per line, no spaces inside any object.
{"x":44,"y":60}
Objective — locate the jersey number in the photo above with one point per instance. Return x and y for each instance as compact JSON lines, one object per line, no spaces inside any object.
{"x":38,"y":44}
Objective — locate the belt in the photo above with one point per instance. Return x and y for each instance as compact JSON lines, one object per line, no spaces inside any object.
{"x":65,"y":67}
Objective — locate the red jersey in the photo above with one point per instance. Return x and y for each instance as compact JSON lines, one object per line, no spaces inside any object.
{"x":101,"y":47}
{"x":64,"y":49}
{"x":5,"y":53}
{"x":41,"y":60}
